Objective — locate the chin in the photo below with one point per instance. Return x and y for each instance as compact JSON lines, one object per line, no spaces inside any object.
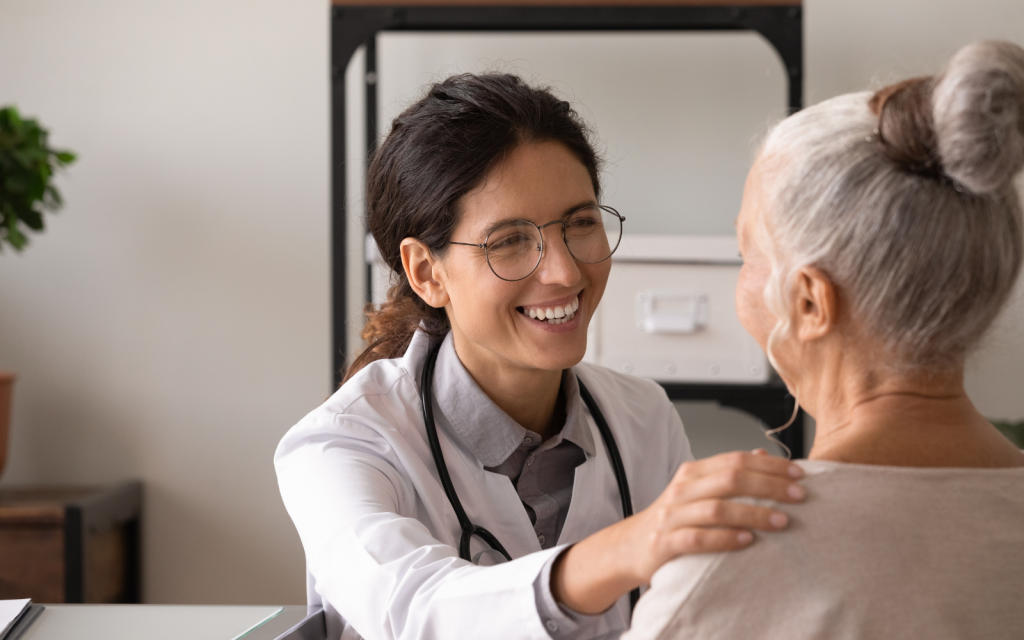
{"x":560,"y":358}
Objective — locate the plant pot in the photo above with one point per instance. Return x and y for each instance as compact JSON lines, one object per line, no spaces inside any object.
{"x":6,"y":382}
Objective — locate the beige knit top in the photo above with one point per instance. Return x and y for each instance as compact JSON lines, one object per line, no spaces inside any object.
{"x":874,"y":553}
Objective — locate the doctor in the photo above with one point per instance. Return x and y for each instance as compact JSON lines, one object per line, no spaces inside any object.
{"x":485,"y":200}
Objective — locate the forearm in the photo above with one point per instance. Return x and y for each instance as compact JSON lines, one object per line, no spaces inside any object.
{"x":595,"y":572}
{"x":692,"y":515}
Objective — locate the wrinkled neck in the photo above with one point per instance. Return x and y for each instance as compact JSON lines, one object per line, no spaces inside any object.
{"x":868,"y":414}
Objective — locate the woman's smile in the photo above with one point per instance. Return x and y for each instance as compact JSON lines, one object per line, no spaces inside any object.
{"x":558,"y":316}
{"x":553,"y":312}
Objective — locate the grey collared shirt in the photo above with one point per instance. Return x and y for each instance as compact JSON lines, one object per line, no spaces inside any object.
{"x":542,"y":472}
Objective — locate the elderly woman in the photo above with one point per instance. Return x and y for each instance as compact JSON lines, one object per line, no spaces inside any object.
{"x":881,"y":235}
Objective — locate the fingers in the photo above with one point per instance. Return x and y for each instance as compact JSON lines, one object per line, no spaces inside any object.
{"x":722,"y":513}
{"x":689,"y":541}
{"x":694,"y":513}
{"x":738,"y":473}
{"x":705,"y":526}
{"x":757,"y":460}
{"x":731,"y":482}
{"x":710,"y":526}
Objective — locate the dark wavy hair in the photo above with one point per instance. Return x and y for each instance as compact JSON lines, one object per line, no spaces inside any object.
{"x":438,"y":150}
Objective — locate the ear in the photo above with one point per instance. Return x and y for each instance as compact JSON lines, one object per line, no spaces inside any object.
{"x":815,"y":305}
{"x":423,"y":271}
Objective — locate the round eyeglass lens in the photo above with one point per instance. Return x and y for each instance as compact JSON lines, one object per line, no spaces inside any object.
{"x":514,"y":249}
{"x":593,"y":234}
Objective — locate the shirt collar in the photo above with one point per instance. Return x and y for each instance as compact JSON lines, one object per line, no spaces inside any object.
{"x":487,"y":431}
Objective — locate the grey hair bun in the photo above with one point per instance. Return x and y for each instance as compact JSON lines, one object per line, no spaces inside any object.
{"x":978,"y":115}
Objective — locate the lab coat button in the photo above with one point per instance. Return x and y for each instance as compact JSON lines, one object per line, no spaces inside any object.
{"x":552,"y":626}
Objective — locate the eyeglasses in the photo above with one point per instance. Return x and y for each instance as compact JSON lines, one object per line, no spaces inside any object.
{"x":515,"y":248}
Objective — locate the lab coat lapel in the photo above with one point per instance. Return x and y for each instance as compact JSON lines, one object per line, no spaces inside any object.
{"x":586,"y":482}
{"x":512,"y":525}
{"x":489,"y":498}
{"x":592,"y":506}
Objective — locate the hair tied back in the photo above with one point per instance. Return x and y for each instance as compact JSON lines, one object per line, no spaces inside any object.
{"x":978,"y":110}
{"x":906,"y":132}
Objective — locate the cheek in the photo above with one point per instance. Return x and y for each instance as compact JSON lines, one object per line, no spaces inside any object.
{"x":485,"y":304}
{"x":477,"y":296}
{"x":750,"y":307}
{"x":596,"y":279}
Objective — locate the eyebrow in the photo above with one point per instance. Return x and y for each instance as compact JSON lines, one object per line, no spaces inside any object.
{"x":502,"y":222}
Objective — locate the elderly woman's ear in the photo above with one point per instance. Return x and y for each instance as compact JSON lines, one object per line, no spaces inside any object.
{"x":816,"y":305}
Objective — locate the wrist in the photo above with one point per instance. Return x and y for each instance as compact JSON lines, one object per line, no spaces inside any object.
{"x":591,"y":575}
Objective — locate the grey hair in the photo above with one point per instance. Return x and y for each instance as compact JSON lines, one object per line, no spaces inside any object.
{"x":926,"y":253}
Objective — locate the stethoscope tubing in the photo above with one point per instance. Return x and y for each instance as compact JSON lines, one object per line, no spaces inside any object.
{"x":468,"y":528}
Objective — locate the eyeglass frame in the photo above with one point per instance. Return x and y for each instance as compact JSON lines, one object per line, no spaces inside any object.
{"x":543,"y":245}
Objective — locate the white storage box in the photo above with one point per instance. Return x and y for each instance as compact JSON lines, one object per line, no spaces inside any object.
{"x":669,"y":313}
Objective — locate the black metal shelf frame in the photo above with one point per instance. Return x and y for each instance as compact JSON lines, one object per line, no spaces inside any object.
{"x":355,"y":26}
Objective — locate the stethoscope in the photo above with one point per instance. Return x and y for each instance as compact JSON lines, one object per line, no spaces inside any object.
{"x":468,"y":528}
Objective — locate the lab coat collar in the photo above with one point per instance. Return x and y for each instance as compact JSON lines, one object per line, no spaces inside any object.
{"x":487,"y":431}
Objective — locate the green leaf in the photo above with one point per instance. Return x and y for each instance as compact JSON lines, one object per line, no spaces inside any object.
{"x":1014,"y":432}
{"x":12,"y":117}
{"x":33,"y":219}
{"x":53,"y":196}
{"x":27,"y":167}
{"x":17,"y":240}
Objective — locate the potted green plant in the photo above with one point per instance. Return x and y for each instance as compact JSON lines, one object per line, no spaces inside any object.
{"x":27,"y":166}
{"x":1014,"y":431}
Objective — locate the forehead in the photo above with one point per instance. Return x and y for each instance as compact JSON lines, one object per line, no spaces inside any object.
{"x":537,"y":181}
{"x":753,"y":204}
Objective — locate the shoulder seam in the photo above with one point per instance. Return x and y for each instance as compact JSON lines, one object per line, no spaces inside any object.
{"x":383,"y":391}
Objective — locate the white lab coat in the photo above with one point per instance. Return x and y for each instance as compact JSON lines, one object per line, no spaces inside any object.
{"x":381,"y":539}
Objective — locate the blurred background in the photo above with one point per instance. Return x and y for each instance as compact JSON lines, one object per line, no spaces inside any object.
{"x":172,"y":322}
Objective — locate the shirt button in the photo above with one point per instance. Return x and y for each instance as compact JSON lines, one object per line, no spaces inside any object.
{"x":540,"y":539}
{"x":527,"y":440}
{"x":529,"y":461}
{"x":552,"y":626}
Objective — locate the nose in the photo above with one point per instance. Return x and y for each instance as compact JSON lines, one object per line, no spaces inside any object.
{"x":557,"y":266}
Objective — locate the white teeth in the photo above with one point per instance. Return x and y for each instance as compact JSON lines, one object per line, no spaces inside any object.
{"x":555,"y":315}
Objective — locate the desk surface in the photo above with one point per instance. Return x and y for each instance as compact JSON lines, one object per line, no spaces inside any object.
{"x":164,"y":622}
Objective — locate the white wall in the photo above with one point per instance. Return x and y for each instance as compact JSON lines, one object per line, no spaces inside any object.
{"x":172,"y":321}
{"x":678,"y":167}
